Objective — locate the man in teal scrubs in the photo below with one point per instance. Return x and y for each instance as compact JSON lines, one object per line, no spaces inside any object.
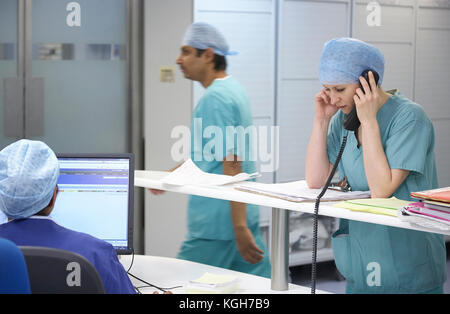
{"x":390,"y":154}
{"x":220,"y":233}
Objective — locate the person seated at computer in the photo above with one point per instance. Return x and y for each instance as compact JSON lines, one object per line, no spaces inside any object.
{"x":29,"y":172}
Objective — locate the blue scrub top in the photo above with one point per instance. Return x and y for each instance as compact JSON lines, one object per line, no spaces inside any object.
{"x":408,"y":261}
{"x":225,"y":103}
{"x":42,"y":231}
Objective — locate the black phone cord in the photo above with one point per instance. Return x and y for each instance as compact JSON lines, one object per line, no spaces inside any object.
{"x":316,"y":215}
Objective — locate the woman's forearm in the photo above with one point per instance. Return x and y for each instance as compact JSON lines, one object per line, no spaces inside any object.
{"x":382,"y":180}
{"x":317,"y":164}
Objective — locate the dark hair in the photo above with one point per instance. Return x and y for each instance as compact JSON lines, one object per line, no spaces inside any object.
{"x":220,"y":62}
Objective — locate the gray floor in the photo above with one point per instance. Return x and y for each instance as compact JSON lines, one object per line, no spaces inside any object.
{"x":329,"y":279}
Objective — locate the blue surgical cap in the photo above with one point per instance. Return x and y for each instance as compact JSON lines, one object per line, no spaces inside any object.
{"x":202,"y":35}
{"x":344,"y":59}
{"x":29,"y":171}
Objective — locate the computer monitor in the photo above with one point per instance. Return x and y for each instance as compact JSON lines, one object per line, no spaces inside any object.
{"x":3,"y":218}
{"x":96,"y":194}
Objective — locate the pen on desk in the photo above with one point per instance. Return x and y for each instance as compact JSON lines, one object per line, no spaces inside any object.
{"x":254,"y":175}
{"x":339,"y":188}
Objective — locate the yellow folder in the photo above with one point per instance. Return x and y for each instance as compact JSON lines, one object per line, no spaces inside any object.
{"x":380,"y":206}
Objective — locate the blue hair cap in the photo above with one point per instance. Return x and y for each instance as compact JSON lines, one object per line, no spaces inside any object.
{"x":29,"y":171}
{"x":202,"y":35}
{"x":344,"y":59}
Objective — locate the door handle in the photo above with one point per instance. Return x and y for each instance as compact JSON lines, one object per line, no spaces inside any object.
{"x":20,"y":122}
{"x":34,"y":107}
{"x":13,"y":108}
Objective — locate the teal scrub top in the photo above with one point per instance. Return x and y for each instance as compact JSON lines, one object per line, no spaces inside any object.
{"x":218,"y":127}
{"x":376,"y":258}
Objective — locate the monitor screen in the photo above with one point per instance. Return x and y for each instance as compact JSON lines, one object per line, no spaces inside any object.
{"x":96,"y":197}
{"x":3,"y":218}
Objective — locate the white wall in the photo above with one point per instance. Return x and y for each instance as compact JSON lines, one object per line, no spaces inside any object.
{"x":302,"y":35}
{"x":432,"y":84}
{"x":253,"y":37}
{"x":166,"y":105}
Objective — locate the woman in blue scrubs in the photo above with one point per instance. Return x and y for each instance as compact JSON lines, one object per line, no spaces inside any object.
{"x":390,"y":154}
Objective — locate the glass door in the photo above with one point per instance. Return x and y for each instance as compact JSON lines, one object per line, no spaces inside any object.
{"x":64,"y":74}
{"x":11,"y":106}
{"x":70,"y":76}
{"x":78,"y":75}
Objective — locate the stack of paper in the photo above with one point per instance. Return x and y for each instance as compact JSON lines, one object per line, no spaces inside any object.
{"x":441,"y":195}
{"x":437,"y":205}
{"x":298,"y":191}
{"x":381,"y":206}
{"x":434,"y":207}
{"x":422,"y":210}
{"x":433,"y":210}
{"x":415,"y":216}
{"x":213,"y":283}
{"x":189,"y":174}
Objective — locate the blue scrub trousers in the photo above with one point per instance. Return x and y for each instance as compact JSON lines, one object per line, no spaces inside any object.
{"x":224,"y":253}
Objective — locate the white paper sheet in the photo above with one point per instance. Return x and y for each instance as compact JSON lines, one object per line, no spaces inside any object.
{"x":189,"y":174}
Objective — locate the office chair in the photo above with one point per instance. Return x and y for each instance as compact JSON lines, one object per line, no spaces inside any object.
{"x":13,"y":269}
{"x":59,"y":271}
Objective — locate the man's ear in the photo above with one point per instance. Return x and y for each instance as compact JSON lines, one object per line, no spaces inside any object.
{"x":47,"y":210}
{"x":209,"y":54}
{"x":53,"y":200}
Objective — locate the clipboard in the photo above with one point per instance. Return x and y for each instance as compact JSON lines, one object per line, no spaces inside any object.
{"x":298,"y":192}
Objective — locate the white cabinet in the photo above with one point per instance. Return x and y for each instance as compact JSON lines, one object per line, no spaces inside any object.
{"x":304,"y":27}
{"x":432,"y":81}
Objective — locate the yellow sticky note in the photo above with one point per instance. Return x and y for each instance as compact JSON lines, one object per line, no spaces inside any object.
{"x":392,"y":203}
{"x":214,"y":279}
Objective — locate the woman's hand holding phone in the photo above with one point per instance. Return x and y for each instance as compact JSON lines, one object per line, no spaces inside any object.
{"x":367,"y":99}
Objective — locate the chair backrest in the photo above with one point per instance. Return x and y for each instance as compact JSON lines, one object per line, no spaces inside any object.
{"x":59,"y":271}
{"x":13,"y":270}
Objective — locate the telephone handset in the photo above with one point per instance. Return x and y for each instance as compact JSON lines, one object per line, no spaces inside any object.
{"x":351,"y":121}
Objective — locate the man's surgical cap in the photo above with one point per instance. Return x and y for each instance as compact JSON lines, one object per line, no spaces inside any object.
{"x":202,"y":35}
{"x":344,"y":59}
{"x":29,"y":171}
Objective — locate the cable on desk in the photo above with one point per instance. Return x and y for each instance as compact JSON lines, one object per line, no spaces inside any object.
{"x":147,"y":283}
{"x":132,"y":260}
{"x":152,"y":285}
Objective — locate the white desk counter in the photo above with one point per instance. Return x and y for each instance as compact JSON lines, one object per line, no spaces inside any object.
{"x":151,"y":179}
{"x":168,"y":272}
{"x":280,"y":217}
